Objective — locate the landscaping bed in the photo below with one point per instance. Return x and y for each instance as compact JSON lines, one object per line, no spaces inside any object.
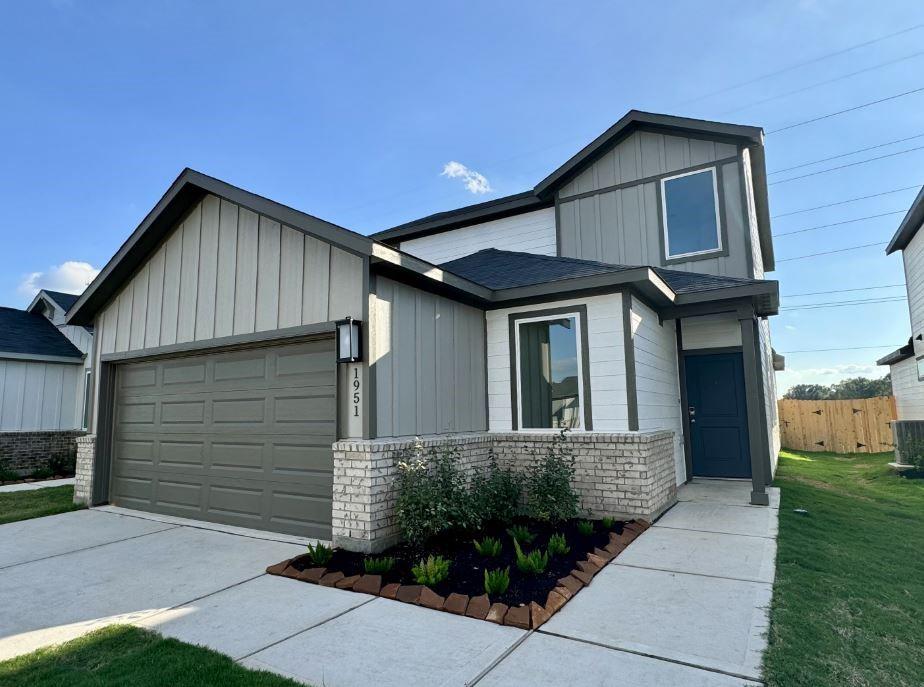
{"x":529,"y":599}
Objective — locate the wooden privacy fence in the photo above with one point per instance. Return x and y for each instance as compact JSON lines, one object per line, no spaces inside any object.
{"x":851,"y":426}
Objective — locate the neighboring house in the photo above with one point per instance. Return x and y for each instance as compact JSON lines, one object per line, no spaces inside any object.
{"x":622,"y":298}
{"x":44,"y":368}
{"x":907,"y":363}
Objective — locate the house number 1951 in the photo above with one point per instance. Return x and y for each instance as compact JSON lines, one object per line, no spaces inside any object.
{"x":356,"y":387}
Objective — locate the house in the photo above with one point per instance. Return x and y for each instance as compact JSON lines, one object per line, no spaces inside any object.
{"x":622,"y":298}
{"x":44,"y":373}
{"x":907,"y":363}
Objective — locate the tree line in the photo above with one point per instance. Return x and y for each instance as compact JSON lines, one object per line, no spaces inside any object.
{"x":855,"y":387}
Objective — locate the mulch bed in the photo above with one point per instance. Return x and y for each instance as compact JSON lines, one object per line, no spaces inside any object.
{"x":528,"y":602}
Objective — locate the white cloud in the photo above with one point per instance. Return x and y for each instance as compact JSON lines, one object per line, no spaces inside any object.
{"x":790,"y":327}
{"x":474,"y":182}
{"x":69,"y":277}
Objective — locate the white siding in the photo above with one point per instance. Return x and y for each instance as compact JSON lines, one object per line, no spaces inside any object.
{"x":607,"y":363}
{"x":710,"y":331}
{"x":40,"y":396}
{"x":657,"y":380}
{"x":530,"y":232}
{"x":908,"y":391}
{"x":913,"y":256}
{"x":770,"y":407}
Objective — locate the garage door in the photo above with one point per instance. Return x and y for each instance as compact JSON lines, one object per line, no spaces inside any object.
{"x":242,"y":437}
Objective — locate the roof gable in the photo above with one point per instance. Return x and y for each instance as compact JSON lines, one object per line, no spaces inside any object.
{"x":185,"y":192}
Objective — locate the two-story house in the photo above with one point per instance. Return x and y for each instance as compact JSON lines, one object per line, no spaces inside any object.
{"x":907,"y":363}
{"x":257,"y":366}
{"x":44,"y":379}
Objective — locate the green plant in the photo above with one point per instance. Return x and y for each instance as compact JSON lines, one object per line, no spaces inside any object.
{"x":558,"y":546}
{"x":531,"y":563}
{"x":7,"y":474}
{"x":496,"y":581}
{"x":378,"y":566}
{"x":432,"y":494}
{"x":431,"y":571}
{"x":63,"y":463}
{"x":42,"y":473}
{"x":549,"y":496}
{"x":319,"y":554}
{"x":585,"y":528}
{"x":608,"y":523}
{"x":496,"y":493}
{"x":521,"y":533}
{"x":912,"y":453}
{"x":489,"y":547}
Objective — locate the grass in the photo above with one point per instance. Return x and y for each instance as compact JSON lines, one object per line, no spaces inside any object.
{"x":848,"y":604}
{"x":37,"y":503}
{"x":127,"y":656}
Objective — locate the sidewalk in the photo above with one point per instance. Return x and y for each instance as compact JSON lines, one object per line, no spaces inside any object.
{"x":29,"y":486}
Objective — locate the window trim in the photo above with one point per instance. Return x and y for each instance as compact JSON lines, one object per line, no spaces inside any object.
{"x":87,"y":395}
{"x":665,"y":234}
{"x":579,"y":313}
{"x":917,"y":367}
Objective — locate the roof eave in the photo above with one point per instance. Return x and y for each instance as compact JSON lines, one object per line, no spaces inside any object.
{"x":909,"y":226}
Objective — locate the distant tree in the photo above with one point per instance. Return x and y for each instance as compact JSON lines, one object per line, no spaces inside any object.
{"x":862,"y":387}
{"x":856,"y":387}
{"x":808,"y":392}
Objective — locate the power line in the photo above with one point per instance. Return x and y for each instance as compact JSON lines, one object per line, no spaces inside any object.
{"x":849,"y":200}
{"x":859,"y":288}
{"x":818,"y":84}
{"x":847,"y":154}
{"x":848,"y":348}
{"x":830,"y":252}
{"x":837,"y":224}
{"x":845,"y":111}
{"x":841,"y":304}
{"x":849,"y":164}
{"x":799,"y":65}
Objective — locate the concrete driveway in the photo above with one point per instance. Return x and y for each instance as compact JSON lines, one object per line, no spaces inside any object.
{"x":684,"y":605}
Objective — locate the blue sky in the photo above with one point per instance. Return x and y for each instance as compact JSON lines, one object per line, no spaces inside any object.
{"x":350,"y":111}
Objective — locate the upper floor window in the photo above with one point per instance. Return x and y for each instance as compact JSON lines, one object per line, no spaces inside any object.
{"x":690,"y":203}
{"x":550,"y":372}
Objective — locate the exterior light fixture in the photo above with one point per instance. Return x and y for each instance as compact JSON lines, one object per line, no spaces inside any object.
{"x":349,"y":341}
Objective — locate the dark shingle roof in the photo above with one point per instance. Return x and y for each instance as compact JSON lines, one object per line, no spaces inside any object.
{"x":65,"y":300}
{"x":502,"y":269}
{"x":896,"y":356}
{"x":23,"y":333}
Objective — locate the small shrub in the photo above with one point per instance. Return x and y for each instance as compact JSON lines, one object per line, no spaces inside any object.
{"x":432,"y":494}
{"x":531,"y":563}
{"x":6,"y":473}
{"x":912,"y":453}
{"x":549,"y":496}
{"x":63,"y":463}
{"x":431,"y":571}
{"x":496,"y":581}
{"x":521,"y":534}
{"x":496,"y":493}
{"x":585,"y":528}
{"x":378,"y":566}
{"x":42,"y":473}
{"x":319,"y":554}
{"x":558,"y":546}
{"x":489,"y":547}
{"x":608,"y":523}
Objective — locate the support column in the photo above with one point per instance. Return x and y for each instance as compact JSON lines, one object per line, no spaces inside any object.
{"x":760,"y":453}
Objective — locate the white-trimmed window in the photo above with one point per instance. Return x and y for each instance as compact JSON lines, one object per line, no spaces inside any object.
{"x":690,"y":214}
{"x":87,"y":390}
{"x":920,"y":363}
{"x":550,"y":372}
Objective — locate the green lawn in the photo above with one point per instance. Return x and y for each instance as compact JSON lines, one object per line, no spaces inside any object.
{"x":848,"y":605}
{"x":22,"y":505}
{"x":124,"y":656}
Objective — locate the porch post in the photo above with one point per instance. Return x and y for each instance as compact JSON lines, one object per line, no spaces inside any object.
{"x":756,"y":421}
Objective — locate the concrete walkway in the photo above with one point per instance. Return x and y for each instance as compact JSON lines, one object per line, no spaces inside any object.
{"x":685,"y":604}
{"x":29,"y":486}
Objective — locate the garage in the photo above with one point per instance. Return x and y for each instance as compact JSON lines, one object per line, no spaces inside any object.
{"x":239,"y":437}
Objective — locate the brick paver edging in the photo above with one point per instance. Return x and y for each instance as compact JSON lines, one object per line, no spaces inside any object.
{"x":479,"y":607}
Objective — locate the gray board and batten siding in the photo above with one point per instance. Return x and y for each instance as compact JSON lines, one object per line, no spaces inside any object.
{"x":612,"y":211}
{"x":427,"y":362}
{"x":239,"y":437}
{"x":223,"y":271}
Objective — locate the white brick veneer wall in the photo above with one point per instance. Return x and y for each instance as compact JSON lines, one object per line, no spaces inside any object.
{"x":83,"y":477}
{"x":626,"y":475}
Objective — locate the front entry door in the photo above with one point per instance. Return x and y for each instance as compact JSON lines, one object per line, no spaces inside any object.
{"x":718,"y":415}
